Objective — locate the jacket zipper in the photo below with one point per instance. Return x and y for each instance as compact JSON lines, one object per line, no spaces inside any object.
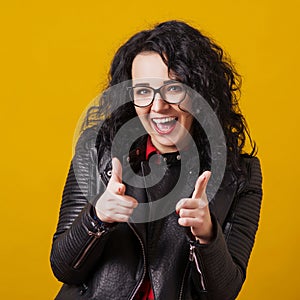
{"x":193,"y":257}
{"x":94,"y":237}
{"x":144,"y":258}
{"x":183,"y":279}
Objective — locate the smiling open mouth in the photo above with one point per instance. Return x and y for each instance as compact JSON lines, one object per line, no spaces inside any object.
{"x":164,"y":125}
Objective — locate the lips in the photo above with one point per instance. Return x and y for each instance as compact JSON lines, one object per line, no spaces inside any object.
{"x":164,"y":125}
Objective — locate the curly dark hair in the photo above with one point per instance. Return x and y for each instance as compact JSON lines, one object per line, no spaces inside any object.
{"x":196,"y":61}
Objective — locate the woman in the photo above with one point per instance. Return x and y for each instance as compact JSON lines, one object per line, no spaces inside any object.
{"x":135,"y":222}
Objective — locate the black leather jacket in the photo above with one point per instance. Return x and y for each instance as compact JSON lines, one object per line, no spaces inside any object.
{"x":97,"y":262}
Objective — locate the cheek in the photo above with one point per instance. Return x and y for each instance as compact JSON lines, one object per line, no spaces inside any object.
{"x":188,"y":121}
{"x":186,"y":104}
{"x":185,"y":119}
{"x":143,"y":116}
{"x":141,"y":111}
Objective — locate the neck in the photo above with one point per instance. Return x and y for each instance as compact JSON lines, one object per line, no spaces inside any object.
{"x":179,"y":146}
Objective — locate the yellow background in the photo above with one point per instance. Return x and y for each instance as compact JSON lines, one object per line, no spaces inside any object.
{"x":54,"y":57}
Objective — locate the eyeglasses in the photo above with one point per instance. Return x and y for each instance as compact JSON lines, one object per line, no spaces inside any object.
{"x":143,"y":96}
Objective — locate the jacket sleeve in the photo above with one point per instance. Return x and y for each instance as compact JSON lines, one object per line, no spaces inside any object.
{"x":79,"y":239}
{"x":223,"y":262}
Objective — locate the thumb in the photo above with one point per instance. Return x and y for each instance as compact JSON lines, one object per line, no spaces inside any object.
{"x":201,"y":184}
{"x":116,"y":172}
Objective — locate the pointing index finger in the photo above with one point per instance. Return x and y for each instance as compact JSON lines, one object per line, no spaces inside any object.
{"x":116,"y":170}
{"x":201,"y":184}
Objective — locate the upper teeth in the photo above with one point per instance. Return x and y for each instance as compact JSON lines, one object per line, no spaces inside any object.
{"x":164,"y":120}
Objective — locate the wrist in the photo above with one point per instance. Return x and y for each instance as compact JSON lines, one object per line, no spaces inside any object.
{"x":104,"y":226}
{"x":206,"y":238}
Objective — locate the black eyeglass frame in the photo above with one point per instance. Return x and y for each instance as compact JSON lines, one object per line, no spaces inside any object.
{"x":156,"y":91}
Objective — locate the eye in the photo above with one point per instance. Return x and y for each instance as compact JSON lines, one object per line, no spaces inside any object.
{"x":142,"y":91}
{"x":175,"y":88}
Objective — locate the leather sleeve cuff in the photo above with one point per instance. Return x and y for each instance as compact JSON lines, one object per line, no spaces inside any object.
{"x":104,"y":226}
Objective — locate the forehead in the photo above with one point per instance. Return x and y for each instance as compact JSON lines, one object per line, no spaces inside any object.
{"x":148,"y":67}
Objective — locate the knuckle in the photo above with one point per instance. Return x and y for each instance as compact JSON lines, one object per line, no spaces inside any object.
{"x":111,"y":215}
{"x":124,"y":218}
{"x":184,"y":222}
{"x":110,"y":220}
{"x":199,"y":223}
{"x":130,"y":211}
{"x":200,"y":213}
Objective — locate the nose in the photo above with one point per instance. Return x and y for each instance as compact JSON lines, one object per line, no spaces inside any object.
{"x":159,"y":104}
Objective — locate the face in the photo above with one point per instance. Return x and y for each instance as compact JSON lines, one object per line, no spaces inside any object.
{"x":166,"y":123}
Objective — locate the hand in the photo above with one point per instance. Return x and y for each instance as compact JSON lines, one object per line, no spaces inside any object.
{"x":114,"y":205}
{"x":194,"y":212}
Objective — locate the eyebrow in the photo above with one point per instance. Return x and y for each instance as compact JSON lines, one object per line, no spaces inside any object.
{"x":148,"y":84}
{"x":142,"y":84}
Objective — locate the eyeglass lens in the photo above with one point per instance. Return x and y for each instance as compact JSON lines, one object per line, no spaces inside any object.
{"x":172,"y":93}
